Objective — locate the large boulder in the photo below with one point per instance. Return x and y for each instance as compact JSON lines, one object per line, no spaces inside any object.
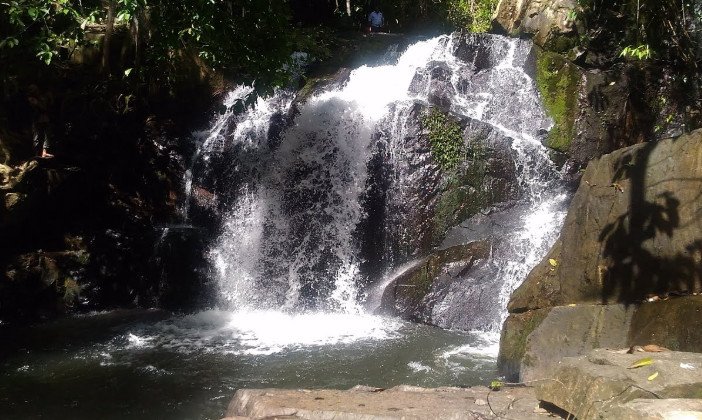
{"x":401,"y":402}
{"x":411,"y":200}
{"x":632,"y":230}
{"x":555,"y":337}
{"x":533,"y":342}
{"x":551,"y":23}
{"x":413,"y":293}
{"x":600,"y":384}
{"x":418,"y":198}
{"x":631,"y":236}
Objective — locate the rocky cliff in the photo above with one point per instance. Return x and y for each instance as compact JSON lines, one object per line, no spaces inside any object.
{"x":627,"y":267}
{"x":599,"y":98}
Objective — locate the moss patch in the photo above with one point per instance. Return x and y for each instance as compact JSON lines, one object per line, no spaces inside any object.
{"x":514,"y":340}
{"x":445,"y":139}
{"x":557,"y":81}
{"x":465,"y":191}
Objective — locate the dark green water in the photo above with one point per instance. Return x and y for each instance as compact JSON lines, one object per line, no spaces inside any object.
{"x":149,"y":365}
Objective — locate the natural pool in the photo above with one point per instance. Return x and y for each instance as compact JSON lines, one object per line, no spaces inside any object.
{"x":149,"y":364}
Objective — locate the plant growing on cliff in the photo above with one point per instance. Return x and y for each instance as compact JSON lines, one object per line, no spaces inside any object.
{"x":644,"y":28}
{"x":445,"y":138}
{"x":474,"y":15}
{"x":640,"y":52}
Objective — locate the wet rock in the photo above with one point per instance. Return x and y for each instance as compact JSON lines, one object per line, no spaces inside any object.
{"x":394,"y":403}
{"x":435,"y":78}
{"x":420,"y":201}
{"x":406,"y":295}
{"x":484,"y":51}
{"x":179,"y":262}
{"x":558,"y":81}
{"x":591,"y":386}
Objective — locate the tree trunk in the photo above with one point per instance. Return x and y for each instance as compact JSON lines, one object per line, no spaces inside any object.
{"x":111,"y":4}
{"x":348,"y":7}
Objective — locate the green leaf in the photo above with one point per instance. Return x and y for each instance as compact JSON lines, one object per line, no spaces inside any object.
{"x":128,"y":72}
{"x":646,"y":361}
{"x":496,"y":385}
{"x":9,"y":42}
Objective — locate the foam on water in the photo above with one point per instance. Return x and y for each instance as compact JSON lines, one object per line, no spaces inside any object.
{"x":255,"y":332}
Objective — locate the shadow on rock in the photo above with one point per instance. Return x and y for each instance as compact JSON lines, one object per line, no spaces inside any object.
{"x":637,"y":265}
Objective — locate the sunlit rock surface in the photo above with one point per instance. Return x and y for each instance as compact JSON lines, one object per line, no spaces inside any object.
{"x":550,"y":22}
{"x":402,"y":402}
{"x":594,"y":386}
{"x":632,"y":234}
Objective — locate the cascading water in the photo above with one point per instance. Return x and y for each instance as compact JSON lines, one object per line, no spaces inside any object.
{"x":289,"y":241}
{"x":290,"y":238}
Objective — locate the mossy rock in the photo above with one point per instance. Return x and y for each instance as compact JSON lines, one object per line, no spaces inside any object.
{"x":463,"y":197}
{"x":513,"y":341}
{"x":462,"y":156}
{"x":557,"y":80}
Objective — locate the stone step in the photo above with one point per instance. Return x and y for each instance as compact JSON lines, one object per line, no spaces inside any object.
{"x":402,"y":402}
{"x":602,"y":383}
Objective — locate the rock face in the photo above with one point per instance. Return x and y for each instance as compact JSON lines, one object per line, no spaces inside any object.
{"x":407,"y":295}
{"x":600,"y":384}
{"x":402,"y":402}
{"x":669,"y":408}
{"x":410,"y":203}
{"x":550,"y":22}
{"x":632,"y":233}
{"x":631,"y":230}
{"x":77,"y":232}
{"x":596,"y":111}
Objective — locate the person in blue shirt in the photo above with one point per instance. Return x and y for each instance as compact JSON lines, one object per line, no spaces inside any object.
{"x":376,"y":21}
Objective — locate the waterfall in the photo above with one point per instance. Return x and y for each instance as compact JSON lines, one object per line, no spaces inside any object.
{"x":291,"y":180}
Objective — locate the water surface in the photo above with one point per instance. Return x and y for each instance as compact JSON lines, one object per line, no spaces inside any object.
{"x":147,"y":364}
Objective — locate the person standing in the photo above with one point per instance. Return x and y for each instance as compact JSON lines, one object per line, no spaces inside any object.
{"x":376,"y":21}
{"x":41,"y":124}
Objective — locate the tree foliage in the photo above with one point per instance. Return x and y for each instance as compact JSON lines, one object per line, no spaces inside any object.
{"x":249,"y":41}
{"x":660,"y":29}
{"x":474,"y":15}
{"x":40,"y":27}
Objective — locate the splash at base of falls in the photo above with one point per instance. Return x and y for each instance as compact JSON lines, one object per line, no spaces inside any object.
{"x":117,"y":362}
